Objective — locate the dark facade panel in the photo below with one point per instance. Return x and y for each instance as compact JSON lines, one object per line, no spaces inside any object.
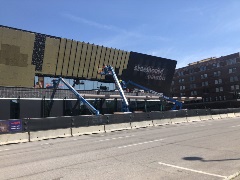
{"x":57,"y":109}
{"x":5,"y":109}
{"x":153,"y":72}
{"x":30,"y":108}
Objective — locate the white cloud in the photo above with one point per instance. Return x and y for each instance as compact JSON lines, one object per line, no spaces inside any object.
{"x":122,"y":37}
{"x":88,"y":22}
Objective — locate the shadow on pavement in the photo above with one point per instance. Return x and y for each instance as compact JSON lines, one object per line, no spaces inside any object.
{"x":194,"y":158}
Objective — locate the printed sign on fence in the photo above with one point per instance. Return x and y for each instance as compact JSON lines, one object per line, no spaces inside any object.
{"x":15,"y":125}
{"x":4,"y":126}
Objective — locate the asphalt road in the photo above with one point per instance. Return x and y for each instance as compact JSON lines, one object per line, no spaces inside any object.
{"x":198,"y":150}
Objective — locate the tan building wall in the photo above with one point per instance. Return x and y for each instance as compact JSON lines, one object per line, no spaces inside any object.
{"x":60,"y":57}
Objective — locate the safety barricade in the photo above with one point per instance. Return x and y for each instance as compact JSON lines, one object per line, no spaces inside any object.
{"x":181,"y":117}
{"x":49,"y":123}
{"x":216,"y":116}
{"x":117,"y":122}
{"x":160,"y":122}
{"x":14,"y":138}
{"x":117,"y":127}
{"x":141,"y":124}
{"x":192,"y":115}
{"x":159,"y":119}
{"x":223,"y":116}
{"x":140,"y":120}
{"x":49,"y":134}
{"x":206,"y":117}
{"x":237,"y":114}
{"x":77,"y":131}
{"x":231,"y":115}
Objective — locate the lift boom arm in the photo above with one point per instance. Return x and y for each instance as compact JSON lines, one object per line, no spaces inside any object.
{"x":108,"y":70}
{"x":79,"y":97}
{"x":177,"y":103}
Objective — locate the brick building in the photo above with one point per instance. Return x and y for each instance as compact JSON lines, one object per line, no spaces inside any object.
{"x":216,"y":80}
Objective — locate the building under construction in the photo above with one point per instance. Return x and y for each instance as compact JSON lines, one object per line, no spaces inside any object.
{"x":25,"y":55}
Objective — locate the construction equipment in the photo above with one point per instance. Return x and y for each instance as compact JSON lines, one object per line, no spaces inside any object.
{"x":109,"y":71}
{"x":176,"y":103}
{"x":79,"y":97}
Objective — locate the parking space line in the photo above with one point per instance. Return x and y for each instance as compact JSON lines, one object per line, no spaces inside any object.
{"x":192,"y":170}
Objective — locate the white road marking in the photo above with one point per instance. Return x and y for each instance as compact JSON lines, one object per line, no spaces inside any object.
{"x":4,"y":150}
{"x":115,"y":138}
{"x":136,"y":144}
{"x":45,"y":144}
{"x":192,"y":170}
{"x":235,"y":126}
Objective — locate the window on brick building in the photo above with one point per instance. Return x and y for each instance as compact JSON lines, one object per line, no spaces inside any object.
{"x":182,"y":94}
{"x":216,"y":73}
{"x":180,"y":73}
{"x":233,"y":78}
{"x":192,"y":78}
{"x":205,"y":83}
{"x":232,"y":70}
{"x":203,"y":76}
{"x":203,"y":68}
{"x":231,"y":61}
{"x":215,"y":65}
{"x":218,"y":81}
{"x":193,"y":93}
{"x":191,"y":71}
{"x":234,"y":87}
{"x":181,"y":80}
{"x":182,"y":87}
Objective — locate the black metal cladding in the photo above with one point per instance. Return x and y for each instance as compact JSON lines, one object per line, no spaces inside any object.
{"x":38,"y":124}
{"x":169,"y":114}
{"x":137,"y":117}
{"x":153,"y":72}
{"x":181,"y":113}
{"x":38,"y":51}
{"x":117,"y":118}
{"x":192,"y":112}
{"x":156,"y":115}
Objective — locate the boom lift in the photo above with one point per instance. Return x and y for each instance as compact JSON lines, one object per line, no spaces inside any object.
{"x":108,"y":70}
{"x":79,"y":97}
{"x":176,"y":103}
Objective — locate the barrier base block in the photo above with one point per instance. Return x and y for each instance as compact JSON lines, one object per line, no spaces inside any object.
{"x":193,"y":119}
{"x":87,"y":130}
{"x":216,"y":116}
{"x":49,"y":134}
{"x":223,"y":116}
{"x":231,"y":115}
{"x":161,"y":122}
{"x":14,"y":138}
{"x":206,"y":117}
{"x":116,"y":127}
{"x":141,"y":124}
{"x":179,"y":120}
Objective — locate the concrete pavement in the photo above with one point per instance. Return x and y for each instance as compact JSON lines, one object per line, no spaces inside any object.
{"x":197,"y":150}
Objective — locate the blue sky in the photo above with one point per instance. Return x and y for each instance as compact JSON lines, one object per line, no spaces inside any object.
{"x":183,"y":30}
